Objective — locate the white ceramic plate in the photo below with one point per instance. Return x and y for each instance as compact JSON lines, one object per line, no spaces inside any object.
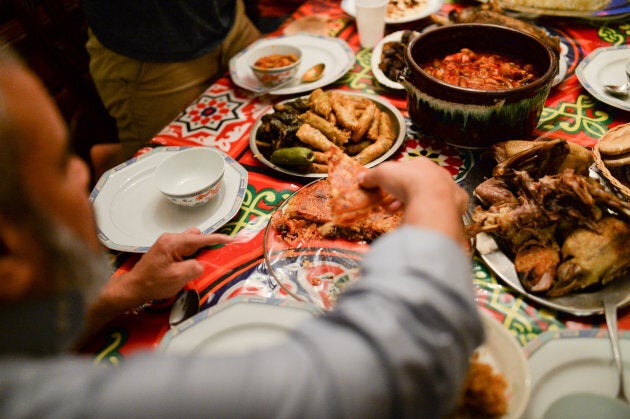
{"x":236,"y":326}
{"x":430,"y":6}
{"x":570,"y":361}
{"x":605,"y":66}
{"x":376,"y":60}
{"x":400,"y":128}
{"x":505,"y":355}
{"x":131,"y":212}
{"x":335,"y":53}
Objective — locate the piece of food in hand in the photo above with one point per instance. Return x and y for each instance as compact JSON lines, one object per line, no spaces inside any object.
{"x":349,"y":201}
{"x":337,"y":207}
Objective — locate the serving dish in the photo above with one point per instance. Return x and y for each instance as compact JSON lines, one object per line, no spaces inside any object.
{"x":577,"y":303}
{"x":316,"y":270}
{"x":236,"y":326}
{"x":605,"y":66}
{"x":429,"y":6}
{"x":131,"y":213}
{"x":377,"y":56}
{"x":383,"y":104}
{"x":470,"y":117}
{"x":335,"y":53}
{"x":570,"y":361}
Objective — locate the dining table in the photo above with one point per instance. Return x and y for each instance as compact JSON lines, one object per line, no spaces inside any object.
{"x":225,"y":114}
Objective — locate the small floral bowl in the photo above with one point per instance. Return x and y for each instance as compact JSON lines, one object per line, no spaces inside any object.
{"x":267,"y":70}
{"x":191,"y":177}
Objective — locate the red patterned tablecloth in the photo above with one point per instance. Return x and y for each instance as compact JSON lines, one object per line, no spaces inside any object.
{"x":224,"y":115}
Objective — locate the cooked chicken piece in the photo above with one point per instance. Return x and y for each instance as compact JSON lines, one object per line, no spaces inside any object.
{"x":592,"y":257}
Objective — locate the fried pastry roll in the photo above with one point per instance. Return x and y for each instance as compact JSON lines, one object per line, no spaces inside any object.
{"x":313,"y":137}
{"x":344,"y":110}
{"x":355,"y":148}
{"x":321,"y":157}
{"x":364,"y":122}
{"x":381,"y":145}
{"x":320,"y":104}
{"x":331,"y":132}
{"x":372,"y":132}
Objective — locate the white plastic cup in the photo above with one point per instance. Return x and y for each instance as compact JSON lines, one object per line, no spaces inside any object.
{"x":370,"y":17}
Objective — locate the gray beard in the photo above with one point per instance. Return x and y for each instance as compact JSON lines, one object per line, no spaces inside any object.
{"x":79,"y":273}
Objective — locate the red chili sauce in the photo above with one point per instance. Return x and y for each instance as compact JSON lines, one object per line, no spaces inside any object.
{"x":483,"y":71}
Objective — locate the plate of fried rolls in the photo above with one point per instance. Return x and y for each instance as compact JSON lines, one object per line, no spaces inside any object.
{"x":296,"y":136}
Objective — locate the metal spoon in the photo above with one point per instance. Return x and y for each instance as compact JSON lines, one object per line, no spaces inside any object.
{"x":312,"y":74}
{"x":610,"y":310}
{"x":621,"y":90}
{"x":186,"y":305}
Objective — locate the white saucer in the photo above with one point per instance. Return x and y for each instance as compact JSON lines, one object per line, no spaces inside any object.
{"x":335,"y":53}
{"x":605,"y":66}
{"x":431,"y":6}
{"x":131,"y":213}
{"x":572,"y":361}
{"x":238,"y":325}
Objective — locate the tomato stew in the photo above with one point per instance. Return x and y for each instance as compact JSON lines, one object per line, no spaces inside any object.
{"x":482,"y":71}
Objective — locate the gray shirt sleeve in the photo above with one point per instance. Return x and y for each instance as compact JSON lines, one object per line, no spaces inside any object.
{"x":397,"y":345}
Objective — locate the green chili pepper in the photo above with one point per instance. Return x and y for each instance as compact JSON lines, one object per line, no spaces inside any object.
{"x":292,"y":156}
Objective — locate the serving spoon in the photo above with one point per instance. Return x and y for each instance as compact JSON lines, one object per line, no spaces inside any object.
{"x":620,"y":90}
{"x":312,"y":74}
{"x":590,"y":405}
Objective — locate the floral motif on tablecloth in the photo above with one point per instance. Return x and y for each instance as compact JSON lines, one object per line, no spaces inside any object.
{"x":581,"y":118}
{"x":219,"y":118}
{"x":456,"y":160}
{"x":511,"y":308}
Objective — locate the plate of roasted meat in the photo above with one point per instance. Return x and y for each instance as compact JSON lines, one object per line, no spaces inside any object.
{"x":297,"y":135}
{"x":550,"y":229}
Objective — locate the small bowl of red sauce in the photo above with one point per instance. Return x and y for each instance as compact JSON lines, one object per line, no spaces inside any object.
{"x":275,"y":64}
{"x":472,"y":85}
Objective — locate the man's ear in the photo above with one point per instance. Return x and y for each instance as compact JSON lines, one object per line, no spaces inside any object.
{"x":18,"y":264}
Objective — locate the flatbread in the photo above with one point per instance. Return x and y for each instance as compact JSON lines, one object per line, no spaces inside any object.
{"x":616,"y":141}
{"x":615,"y":161}
{"x":349,"y":201}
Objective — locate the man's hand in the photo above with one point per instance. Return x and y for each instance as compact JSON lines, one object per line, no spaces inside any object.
{"x":160,"y":273}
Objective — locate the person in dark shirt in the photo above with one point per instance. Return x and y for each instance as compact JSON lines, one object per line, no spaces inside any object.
{"x":151,"y":58}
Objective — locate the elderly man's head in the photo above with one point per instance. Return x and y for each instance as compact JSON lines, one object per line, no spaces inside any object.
{"x":48,"y":242}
